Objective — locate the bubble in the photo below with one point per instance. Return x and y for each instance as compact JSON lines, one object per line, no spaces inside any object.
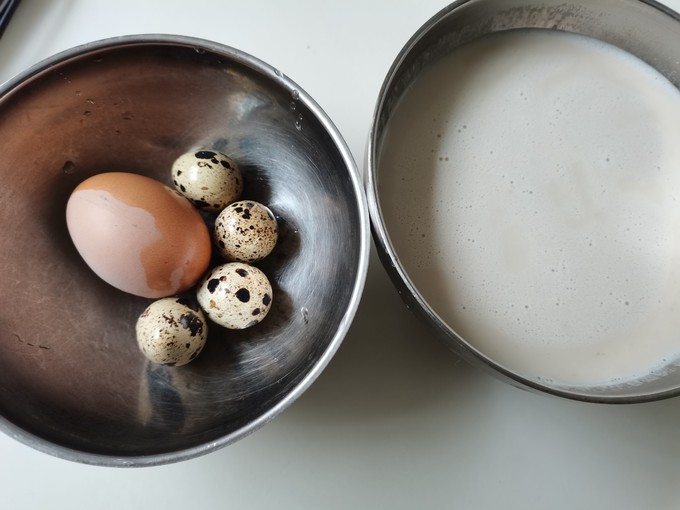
{"x":295,"y":94}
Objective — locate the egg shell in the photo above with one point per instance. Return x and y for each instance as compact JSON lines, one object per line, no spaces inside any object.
{"x":171,"y":332}
{"x":210,"y":179}
{"x":235,"y":295}
{"x":245,"y":231}
{"x":138,"y":235}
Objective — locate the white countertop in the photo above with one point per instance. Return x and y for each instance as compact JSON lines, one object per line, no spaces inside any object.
{"x":395,"y":421}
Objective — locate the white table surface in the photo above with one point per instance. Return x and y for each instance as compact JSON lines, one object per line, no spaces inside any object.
{"x":395,"y":421}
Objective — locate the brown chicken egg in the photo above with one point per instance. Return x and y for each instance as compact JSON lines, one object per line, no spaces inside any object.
{"x":137,"y":234}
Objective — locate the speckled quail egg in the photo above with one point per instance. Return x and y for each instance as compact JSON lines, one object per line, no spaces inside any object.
{"x":235,"y":295}
{"x":245,"y":231}
{"x":210,"y":179}
{"x":171,"y":331}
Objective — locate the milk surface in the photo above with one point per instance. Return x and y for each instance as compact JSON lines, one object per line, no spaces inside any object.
{"x":530,"y":184}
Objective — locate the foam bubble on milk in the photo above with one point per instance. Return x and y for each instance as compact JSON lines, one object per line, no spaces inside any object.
{"x":530,"y":185}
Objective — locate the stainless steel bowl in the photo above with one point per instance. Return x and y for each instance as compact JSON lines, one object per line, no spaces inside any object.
{"x":72,"y":382}
{"x":642,"y":28}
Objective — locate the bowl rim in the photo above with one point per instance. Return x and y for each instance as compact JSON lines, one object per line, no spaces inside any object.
{"x":409,"y":293}
{"x":362,"y":231}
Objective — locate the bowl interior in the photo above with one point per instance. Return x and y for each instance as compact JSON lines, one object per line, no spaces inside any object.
{"x":644,"y":29}
{"x":72,"y":381}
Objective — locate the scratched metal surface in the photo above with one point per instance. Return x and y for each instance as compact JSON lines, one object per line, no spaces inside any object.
{"x":73,"y":382}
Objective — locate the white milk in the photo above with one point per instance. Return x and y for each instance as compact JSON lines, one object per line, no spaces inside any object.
{"x":530,"y":184}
